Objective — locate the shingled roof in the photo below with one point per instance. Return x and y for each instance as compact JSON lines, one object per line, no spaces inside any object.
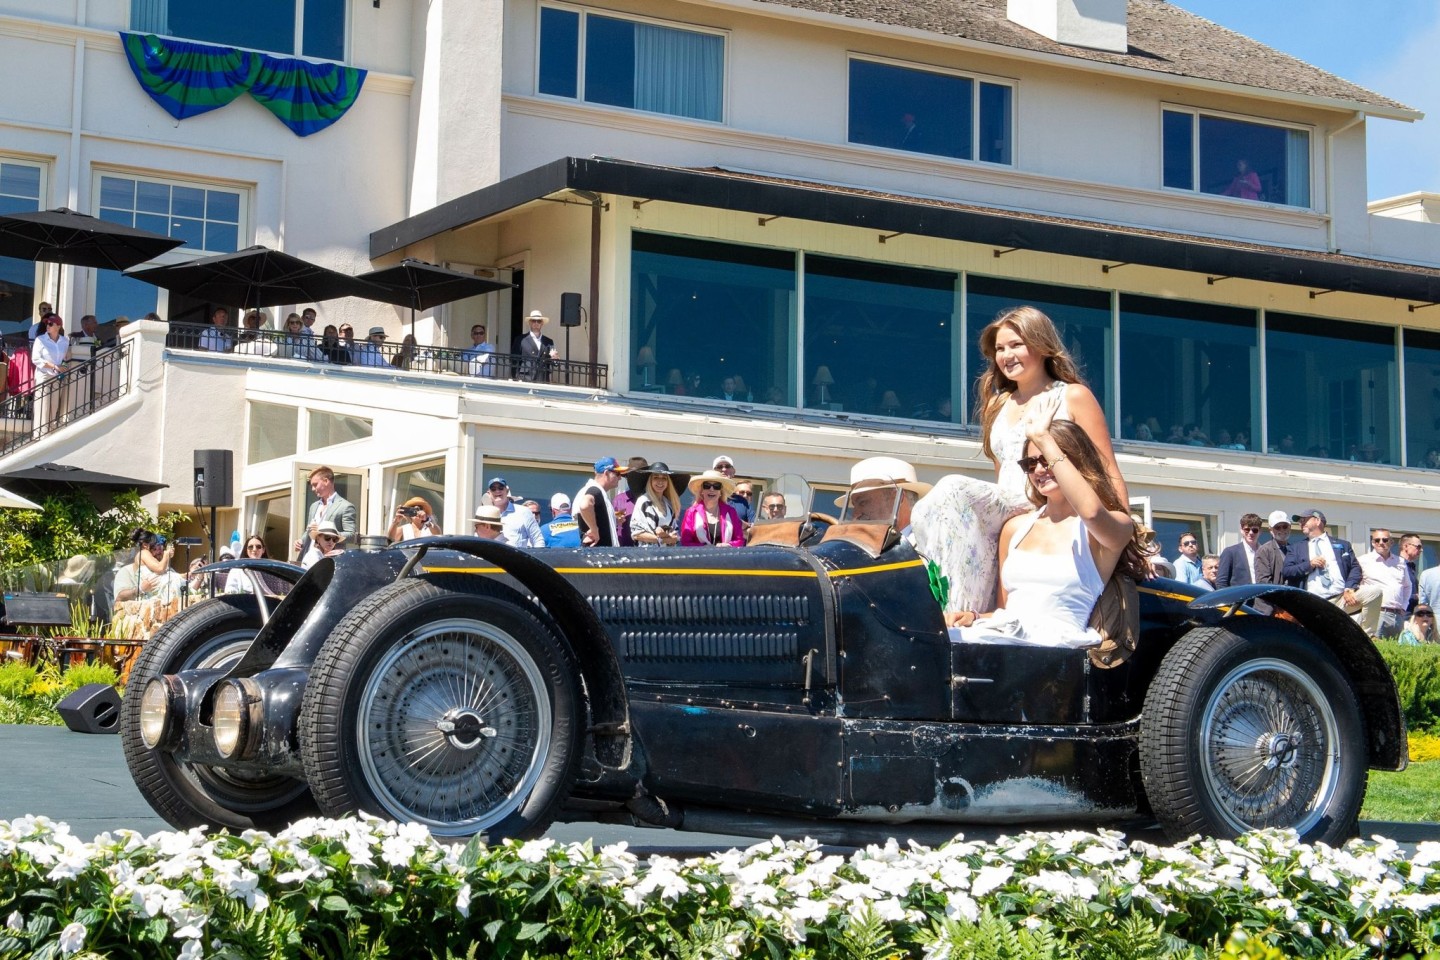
{"x":1163,"y":38}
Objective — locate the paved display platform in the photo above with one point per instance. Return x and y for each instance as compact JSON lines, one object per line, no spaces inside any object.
{"x":81,"y":779}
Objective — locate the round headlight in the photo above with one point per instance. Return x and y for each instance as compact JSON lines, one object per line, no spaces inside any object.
{"x":154,"y":712}
{"x":231,"y":719}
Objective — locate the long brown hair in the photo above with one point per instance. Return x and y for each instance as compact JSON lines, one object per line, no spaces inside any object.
{"x":1080,"y":450}
{"x":993,"y":388}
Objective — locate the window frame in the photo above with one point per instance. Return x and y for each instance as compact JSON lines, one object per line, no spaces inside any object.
{"x":297,"y":48}
{"x":40,"y":272}
{"x":977,"y":79}
{"x":1195,"y":114}
{"x":584,"y":28}
{"x":243,"y":192}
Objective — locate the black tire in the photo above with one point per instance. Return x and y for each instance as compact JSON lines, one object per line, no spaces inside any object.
{"x":210,"y":634}
{"x":467,"y":680}
{"x":1249,"y":730}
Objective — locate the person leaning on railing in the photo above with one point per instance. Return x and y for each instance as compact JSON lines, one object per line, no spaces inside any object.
{"x":51,"y":355}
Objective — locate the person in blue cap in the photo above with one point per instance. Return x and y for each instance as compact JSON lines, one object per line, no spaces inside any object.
{"x":593,"y":509}
{"x":520,"y":528}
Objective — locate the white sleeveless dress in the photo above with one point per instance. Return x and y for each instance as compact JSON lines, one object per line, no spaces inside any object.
{"x":956,"y":526}
{"x":1048,"y":597}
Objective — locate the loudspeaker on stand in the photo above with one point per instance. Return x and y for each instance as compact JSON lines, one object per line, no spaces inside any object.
{"x":214,"y":478}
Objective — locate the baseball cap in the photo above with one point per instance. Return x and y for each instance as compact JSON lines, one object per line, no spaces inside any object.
{"x":559,"y":503}
{"x":1277,"y":516}
{"x":1307,"y":514}
{"x":723,"y":458}
{"x":494,"y":481}
{"x":608,"y":463}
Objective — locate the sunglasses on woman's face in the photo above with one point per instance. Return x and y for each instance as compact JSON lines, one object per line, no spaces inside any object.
{"x":711,"y":486}
{"x":255,"y":546}
{"x":1028,"y":464}
{"x":328,"y":538}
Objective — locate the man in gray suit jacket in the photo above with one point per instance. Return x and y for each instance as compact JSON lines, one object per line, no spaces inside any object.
{"x":328,"y":505}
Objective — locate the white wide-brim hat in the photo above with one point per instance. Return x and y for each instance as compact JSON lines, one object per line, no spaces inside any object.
{"x":727,"y":486}
{"x":876,"y":472}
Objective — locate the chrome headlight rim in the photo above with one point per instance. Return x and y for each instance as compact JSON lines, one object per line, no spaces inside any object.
{"x":161,"y":712}
{"x":235,"y":718}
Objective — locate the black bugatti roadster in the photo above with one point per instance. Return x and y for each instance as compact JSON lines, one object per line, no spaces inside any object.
{"x":803,"y":686}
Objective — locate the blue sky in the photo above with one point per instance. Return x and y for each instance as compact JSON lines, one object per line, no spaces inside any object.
{"x":1389,"y":46}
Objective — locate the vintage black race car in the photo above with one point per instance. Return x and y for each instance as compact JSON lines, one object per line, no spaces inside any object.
{"x":808,"y":688}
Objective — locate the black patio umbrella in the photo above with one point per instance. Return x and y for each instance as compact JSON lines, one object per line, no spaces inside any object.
{"x":38,"y":481}
{"x":78,"y":240}
{"x":420,"y":285}
{"x":255,"y":277}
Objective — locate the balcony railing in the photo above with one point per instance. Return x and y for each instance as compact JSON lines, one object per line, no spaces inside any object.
{"x":88,"y":384}
{"x":386,"y":355}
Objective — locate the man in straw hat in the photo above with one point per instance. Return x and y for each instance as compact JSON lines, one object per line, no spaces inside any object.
{"x":874,"y":484}
{"x":534,"y":349}
{"x":488,"y":523}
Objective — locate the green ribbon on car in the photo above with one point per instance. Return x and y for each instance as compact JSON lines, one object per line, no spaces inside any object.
{"x":939,"y":583}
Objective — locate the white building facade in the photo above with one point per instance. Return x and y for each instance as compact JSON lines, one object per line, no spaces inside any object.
{"x":814,"y":212}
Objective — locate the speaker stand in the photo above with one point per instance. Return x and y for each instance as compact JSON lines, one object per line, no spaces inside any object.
{"x":212,"y":532}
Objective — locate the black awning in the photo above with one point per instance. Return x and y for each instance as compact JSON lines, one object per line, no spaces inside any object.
{"x":35,"y":482}
{"x":823,"y":203}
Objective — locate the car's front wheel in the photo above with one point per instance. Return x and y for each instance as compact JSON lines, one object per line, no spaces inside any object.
{"x":452,"y":705}
{"x":1249,"y":730}
{"x":208,"y":636}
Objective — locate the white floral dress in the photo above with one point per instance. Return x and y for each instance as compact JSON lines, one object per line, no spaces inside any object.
{"x":956,"y":526}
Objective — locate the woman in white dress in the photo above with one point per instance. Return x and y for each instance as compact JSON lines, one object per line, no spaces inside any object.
{"x":1055,"y":561}
{"x":957,"y":526}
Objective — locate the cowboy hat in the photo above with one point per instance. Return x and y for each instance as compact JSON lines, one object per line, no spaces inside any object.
{"x":727,"y":486}
{"x":876,"y":472}
{"x":78,"y":569}
{"x":640,"y":479}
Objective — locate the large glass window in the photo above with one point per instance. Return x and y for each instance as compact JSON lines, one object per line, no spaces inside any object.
{"x":711,"y":312}
{"x":926,"y":111}
{"x":878,"y":338}
{"x":1245,"y":159}
{"x":1331,"y":388}
{"x":1422,"y":399}
{"x":1083,"y":318}
{"x":271,"y":25}
{"x":1189,"y":372}
{"x":274,"y":431}
{"x":206,"y":218}
{"x":1170,"y":527}
{"x":539,"y":482}
{"x":20,"y":187}
{"x":329,"y":429}
{"x":632,"y":63}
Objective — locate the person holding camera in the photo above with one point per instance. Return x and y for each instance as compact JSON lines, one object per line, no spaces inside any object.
{"x":413,"y":519}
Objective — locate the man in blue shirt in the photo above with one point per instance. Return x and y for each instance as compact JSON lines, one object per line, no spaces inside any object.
{"x":563,"y":530}
{"x":1187,"y":565}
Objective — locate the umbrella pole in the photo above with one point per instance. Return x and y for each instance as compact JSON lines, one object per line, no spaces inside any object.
{"x":59,"y":274}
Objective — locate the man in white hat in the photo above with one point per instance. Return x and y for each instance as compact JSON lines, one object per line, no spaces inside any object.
{"x":874,"y":485}
{"x":371,"y":353}
{"x":534,"y":349}
{"x":487,"y":521}
{"x":1270,"y":558}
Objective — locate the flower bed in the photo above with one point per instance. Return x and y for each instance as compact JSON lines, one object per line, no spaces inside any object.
{"x":357,"y":887}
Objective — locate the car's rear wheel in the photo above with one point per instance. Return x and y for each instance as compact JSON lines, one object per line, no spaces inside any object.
{"x":455,"y":706}
{"x":210,"y":635}
{"x":1249,"y":730}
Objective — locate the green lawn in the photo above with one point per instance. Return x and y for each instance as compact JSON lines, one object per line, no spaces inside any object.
{"x":1413,"y":795}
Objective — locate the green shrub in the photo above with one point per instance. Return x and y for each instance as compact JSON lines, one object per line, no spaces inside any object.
{"x":81,"y":674}
{"x":1417,"y":680}
{"x":16,"y":680}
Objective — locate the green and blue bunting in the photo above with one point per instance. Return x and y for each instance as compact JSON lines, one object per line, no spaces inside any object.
{"x":187,"y":79}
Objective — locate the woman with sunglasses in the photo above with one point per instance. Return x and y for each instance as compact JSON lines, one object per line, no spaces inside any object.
{"x":1420,"y":628}
{"x":1030,"y":374}
{"x":1055,"y":560}
{"x":50,"y":355}
{"x":255,"y":581}
{"x":655,"y":518}
{"x":331,"y":345}
{"x":710,"y":521}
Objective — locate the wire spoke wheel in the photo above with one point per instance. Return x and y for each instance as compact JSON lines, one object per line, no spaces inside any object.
{"x":1269,"y":747}
{"x":454,"y":726}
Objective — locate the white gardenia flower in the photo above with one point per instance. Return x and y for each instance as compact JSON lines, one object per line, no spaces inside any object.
{"x":1426,"y":853}
{"x":958,"y":904}
{"x":990,"y":878}
{"x":192,"y":950}
{"x":1062,"y":885}
{"x":397,"y":851}
{"x":72,"y":938}
{"x":462,"y":900}
{"x":533,"y":851}
{"x":15,"y":921}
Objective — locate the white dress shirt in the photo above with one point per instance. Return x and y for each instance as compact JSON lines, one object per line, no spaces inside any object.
{"x":1391,"y":576}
